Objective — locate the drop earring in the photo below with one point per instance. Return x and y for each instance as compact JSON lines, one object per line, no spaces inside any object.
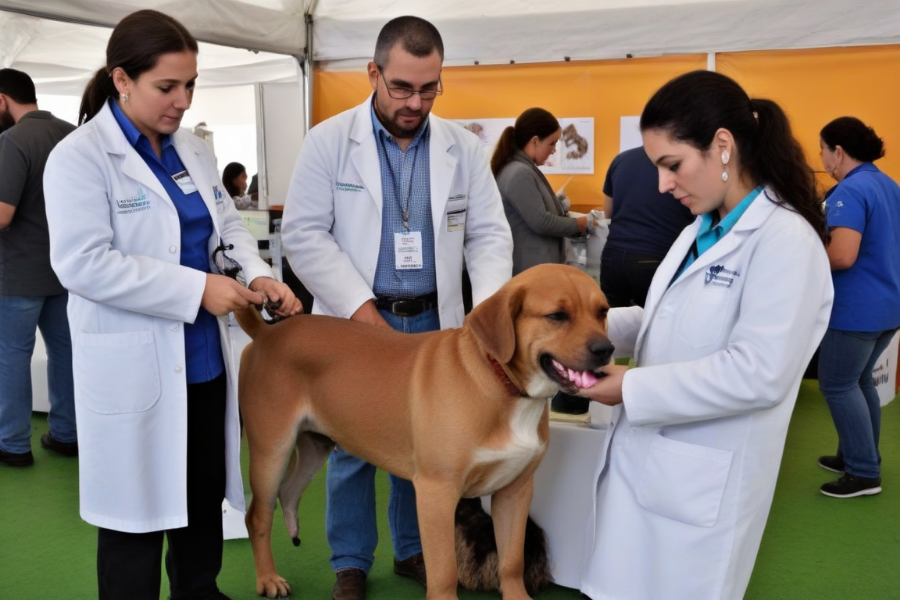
{"x":725,"y":157}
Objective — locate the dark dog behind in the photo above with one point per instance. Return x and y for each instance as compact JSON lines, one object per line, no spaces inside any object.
{"x":476,"y":551}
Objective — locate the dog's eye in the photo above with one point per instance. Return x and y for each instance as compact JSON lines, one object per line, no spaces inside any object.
{"x":558,"y":316}
{"x":601,"y":314}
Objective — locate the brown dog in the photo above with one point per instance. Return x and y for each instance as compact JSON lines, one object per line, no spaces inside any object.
{"x":460,"y":412}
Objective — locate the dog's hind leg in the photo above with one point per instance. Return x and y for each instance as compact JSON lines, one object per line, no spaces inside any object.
{"x":309,"y":455}
{"x":268,"y":461}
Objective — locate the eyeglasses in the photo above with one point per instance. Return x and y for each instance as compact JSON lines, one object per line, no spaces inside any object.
{"x":224,"y":264}
{"x":404,"y":93}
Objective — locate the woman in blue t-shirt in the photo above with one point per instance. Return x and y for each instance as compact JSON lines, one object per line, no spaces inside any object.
{"x":863,"y":212}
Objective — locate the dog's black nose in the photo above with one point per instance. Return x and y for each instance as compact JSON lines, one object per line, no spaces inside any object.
{"x":602,"y":349}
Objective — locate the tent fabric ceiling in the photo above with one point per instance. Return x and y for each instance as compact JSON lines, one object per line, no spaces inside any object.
{"x":61,"y":55}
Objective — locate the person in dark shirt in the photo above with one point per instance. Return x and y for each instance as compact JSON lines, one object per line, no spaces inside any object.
{"x":31,"y":296}
{"x":644,"y":224}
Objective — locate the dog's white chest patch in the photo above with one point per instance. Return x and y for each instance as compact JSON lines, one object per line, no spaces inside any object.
{"x":524,"y":445}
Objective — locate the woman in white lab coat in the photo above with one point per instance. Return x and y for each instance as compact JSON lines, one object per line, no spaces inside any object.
{"x":138,"y":221}
{"x":732,"y":318}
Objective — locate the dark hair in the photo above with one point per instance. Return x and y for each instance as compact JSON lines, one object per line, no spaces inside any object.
{"x":231,"y":171}
{"x":857,"y":139}
{"x":419,"y":37}
{"x":533,"y":122}
{"x":693,"y":106}
{"x":135,"y":45}
{"x":18,"y":86}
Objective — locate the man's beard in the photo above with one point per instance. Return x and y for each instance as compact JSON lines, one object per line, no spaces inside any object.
{"x":6,"y":120}
{"x":393,"y":127}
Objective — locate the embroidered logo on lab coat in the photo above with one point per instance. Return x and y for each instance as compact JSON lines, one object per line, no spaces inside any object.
{"x":136,"y":203}
{"x":348,"y":187}
{"x":719,"y":276}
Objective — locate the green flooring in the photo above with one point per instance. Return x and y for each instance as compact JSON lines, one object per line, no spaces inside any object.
{"x":814,"y":547}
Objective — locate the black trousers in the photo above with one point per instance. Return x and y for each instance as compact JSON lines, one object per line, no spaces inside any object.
{"x":625,"y":276}
{"x":129,"y":564}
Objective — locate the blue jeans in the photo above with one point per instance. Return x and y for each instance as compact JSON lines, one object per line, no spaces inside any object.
{"x":20,"y":316}
{"x":350,"y":523}
{"x":846,"y":360}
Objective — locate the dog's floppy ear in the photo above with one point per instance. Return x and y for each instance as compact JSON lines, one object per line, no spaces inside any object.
{"x":494,"y":323}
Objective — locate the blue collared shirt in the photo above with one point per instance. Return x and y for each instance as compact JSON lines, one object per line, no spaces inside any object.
{"x":405,"y":186}
{"x":710,"y":232}
{"x":202,"y":346}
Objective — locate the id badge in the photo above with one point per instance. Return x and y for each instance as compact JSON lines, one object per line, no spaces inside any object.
{"x":408,"y":251}
{"x":184,"y":181}
{"x":456,"y":220}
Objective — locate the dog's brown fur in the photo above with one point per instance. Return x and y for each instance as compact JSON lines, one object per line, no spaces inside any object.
{"x":427,"y":407}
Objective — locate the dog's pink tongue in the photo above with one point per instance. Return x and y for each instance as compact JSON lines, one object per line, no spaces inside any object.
{"x":588,"y":379}
{"x":582,"y":379}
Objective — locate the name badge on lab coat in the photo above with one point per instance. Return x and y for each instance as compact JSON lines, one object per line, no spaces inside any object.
{"x":184,"y":181}
{"x":408,"y":250}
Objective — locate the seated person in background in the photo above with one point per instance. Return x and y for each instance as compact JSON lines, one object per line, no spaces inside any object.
{"x":538,"y":221}
{"x":253,"y":189}
{"x":644,"y":224}
{"x":235,"y":179}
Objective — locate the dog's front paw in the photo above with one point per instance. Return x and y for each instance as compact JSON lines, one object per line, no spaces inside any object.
{"x":274,"y":586}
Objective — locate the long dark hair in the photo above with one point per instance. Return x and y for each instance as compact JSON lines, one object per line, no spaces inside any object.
{"x":693,"y":106}
{"x":857,"y":139}
{"x":533,"y":122}
{"x":229,"y":173}
{"x":135,"y":45}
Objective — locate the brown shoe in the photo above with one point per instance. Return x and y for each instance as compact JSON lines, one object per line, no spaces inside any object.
{"x":350,"y":585}
{"x":413,"y":567}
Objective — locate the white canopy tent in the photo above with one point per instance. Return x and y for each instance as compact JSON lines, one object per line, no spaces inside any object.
{"x":494,"y":32}
{"x":61,"y":43}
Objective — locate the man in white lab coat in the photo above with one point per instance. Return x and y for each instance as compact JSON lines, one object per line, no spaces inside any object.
{"x":386,"y":206}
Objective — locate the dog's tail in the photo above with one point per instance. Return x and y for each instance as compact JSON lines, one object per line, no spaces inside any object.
{"x":250,"y":320}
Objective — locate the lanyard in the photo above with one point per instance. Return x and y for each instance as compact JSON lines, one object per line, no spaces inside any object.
{"x":398,"y":192}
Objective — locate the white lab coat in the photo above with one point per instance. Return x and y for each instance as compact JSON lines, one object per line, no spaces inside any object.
{"x":115,"y":242}
{"x":331,"y":231}
{"x":695,"y":449}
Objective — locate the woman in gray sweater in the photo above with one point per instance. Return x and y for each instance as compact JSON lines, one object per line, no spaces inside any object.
{"x":538,"y":221}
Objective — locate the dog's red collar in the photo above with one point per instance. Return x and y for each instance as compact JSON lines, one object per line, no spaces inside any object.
{"x":504,"y":378}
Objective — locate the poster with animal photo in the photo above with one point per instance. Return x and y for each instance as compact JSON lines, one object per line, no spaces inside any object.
{"x":575,"y":149}
{"x":487,"y":130}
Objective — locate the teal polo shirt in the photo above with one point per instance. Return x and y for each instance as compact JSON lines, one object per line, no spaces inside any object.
{"x":711,"y":232}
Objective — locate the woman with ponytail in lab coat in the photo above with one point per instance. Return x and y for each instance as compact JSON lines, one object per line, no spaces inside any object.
{"x":139,"y":219}
{"x":732,"y":318}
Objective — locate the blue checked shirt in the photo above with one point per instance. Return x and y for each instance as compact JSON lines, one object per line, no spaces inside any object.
{"x":406,"y":180}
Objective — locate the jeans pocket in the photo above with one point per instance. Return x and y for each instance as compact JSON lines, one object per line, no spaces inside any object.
{"x":684,"y":482}
{"x":117,"y":372}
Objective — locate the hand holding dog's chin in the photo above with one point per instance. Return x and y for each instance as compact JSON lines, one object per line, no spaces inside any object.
{"x":607,"y":390}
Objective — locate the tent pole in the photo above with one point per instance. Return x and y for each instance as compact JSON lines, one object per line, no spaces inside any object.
{"x":308,"y":73}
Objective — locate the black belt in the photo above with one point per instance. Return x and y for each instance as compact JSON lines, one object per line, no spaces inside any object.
{"x":406,"y":307}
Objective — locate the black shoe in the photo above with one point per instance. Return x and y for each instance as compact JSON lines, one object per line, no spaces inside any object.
{"x":48,"y":442}
{"x":17,"y":460}
{"x":835,"y":464}
{"x":850,"y":486}
{"x":413,"y":567}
